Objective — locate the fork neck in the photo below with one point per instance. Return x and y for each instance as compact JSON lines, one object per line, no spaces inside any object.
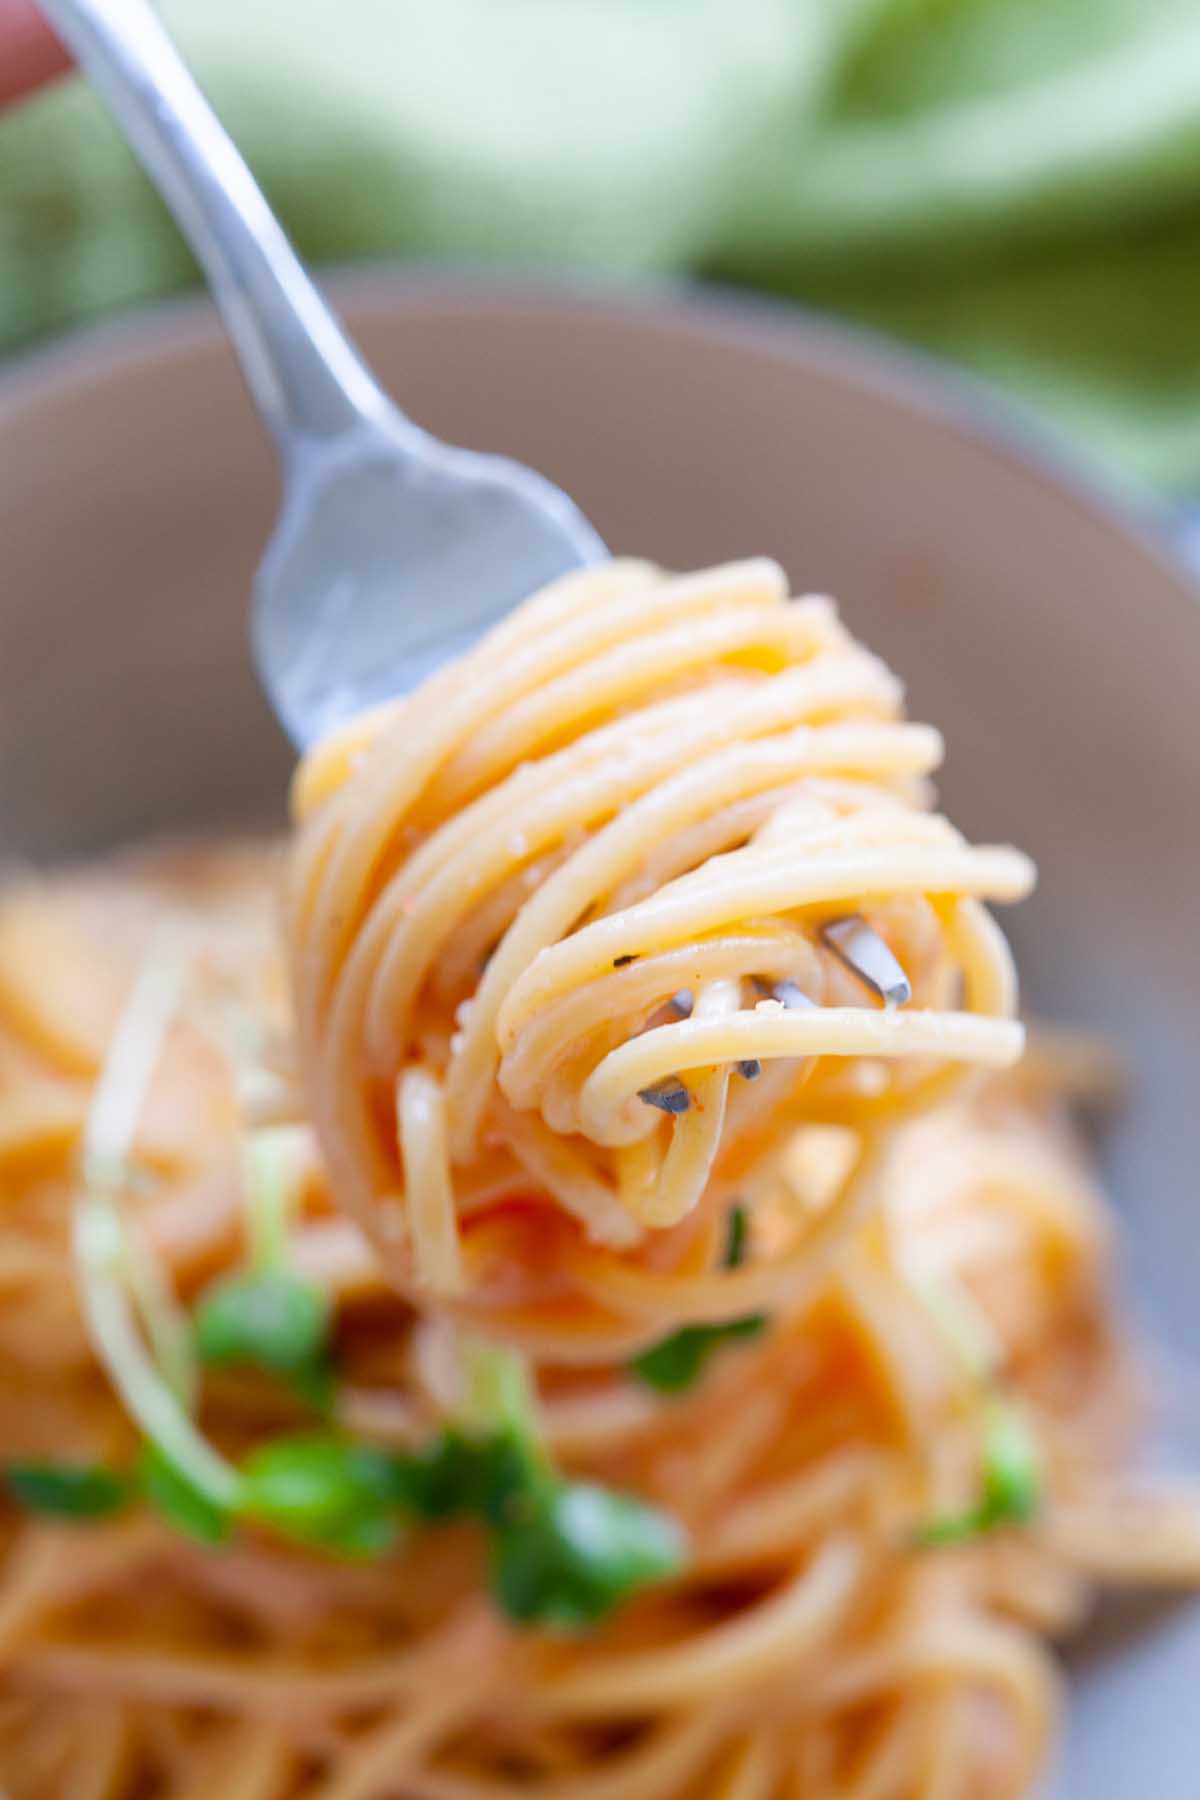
{"x":305,"y":377}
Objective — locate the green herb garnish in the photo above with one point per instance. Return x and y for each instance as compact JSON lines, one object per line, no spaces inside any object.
{"x":1010,"y":1482}
{"x":67,"y":1490}
{"x":273,"y":1320}
{"x":268,"y":1316}
{"x":674,"y":1364}
{"x":459,"y":1475}
{"x":677,"y":1361}
{"x":181,"y":1501}
{"x":114,"y":1290}
{"x":497,"y":1393}
{"x":580,"y":1553}
{"x":442,"y":1480}
{"x":326,"y":1491}
{"x":737,"y":1237}
{"x":563,"y":1553}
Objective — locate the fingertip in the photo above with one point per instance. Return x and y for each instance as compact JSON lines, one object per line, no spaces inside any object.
{"x":30,"y":53}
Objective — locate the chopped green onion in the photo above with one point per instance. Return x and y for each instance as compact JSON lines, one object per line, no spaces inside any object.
{"x":327,"y":1491}
{"x":1010,"y":1482}
{"x":315,"y":1384}
{"x":272,"y":1174}
{"x":67,"y":1490}
{"x":188,"y":1507}
{"x":312,"y":1474}
{"x":564,"y":1553}
{"x":443,"y":1479}
{"x":677,"y":1361}
{"x":673,"y":1364}
{"x":1010,"y":1470}
{"x":962,"y":1322}
{"x":147,"y":1396}
{"x":359,"y":1536}
{"x":273,"y":1320}
{"x":738,"y":1236}
{"x":456,"y":1476}
{"x":164,"y":1320}
{"x":951,"y":1528}
{"x":242,"y":1038}
{"x":269,"y":1317}
{"x":132,"y":1058}
{"x":497,"y":1391}
{"x":1011,"y":1466}
{"x":101,"y":1248}
{"x":514,"y":1478}
{"x":500,"y":1437}
{"x":583,"y":1551}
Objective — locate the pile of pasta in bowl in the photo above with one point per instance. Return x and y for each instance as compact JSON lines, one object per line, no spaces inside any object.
{"x":559,"y":1280}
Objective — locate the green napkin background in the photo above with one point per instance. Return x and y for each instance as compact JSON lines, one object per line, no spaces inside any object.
{"x":1015,"y":183}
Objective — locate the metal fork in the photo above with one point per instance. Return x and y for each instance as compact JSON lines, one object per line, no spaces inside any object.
{"x":392,"y":550}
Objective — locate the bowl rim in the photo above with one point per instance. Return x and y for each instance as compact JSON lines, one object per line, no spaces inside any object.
{"x":938,"y":393}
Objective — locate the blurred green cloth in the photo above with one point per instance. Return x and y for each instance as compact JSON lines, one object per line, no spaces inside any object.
{"x":1015,"y":183}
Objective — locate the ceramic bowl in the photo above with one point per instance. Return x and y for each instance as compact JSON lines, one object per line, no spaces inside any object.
{"x":1053,"y":636}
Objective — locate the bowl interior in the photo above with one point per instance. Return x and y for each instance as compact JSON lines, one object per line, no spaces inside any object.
{"x":1058,"y":651}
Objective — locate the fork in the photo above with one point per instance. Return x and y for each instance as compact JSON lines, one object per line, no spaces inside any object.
{"x":392,"y":551}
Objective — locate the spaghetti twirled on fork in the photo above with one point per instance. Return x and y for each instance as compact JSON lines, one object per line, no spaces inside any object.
{"x":641,"y":798}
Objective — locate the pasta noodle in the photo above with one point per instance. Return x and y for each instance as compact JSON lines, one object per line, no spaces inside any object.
{"x":637,"y":787}
{"x":849,"y":1321}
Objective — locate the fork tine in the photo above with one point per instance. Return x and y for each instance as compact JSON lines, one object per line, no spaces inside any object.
{"x":668,"y":1095}
{"x":864,"y":951}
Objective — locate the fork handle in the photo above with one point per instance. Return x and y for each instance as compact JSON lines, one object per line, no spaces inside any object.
{"x":305,"y":377}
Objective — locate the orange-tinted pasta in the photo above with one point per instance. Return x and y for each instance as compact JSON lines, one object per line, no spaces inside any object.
{"x":809,"y":1646}
{"x":717,"y":783}
{"x":637,"y":785}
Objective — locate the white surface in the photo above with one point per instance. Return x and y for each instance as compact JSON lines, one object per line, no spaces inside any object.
{"x":1059,"y":652}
